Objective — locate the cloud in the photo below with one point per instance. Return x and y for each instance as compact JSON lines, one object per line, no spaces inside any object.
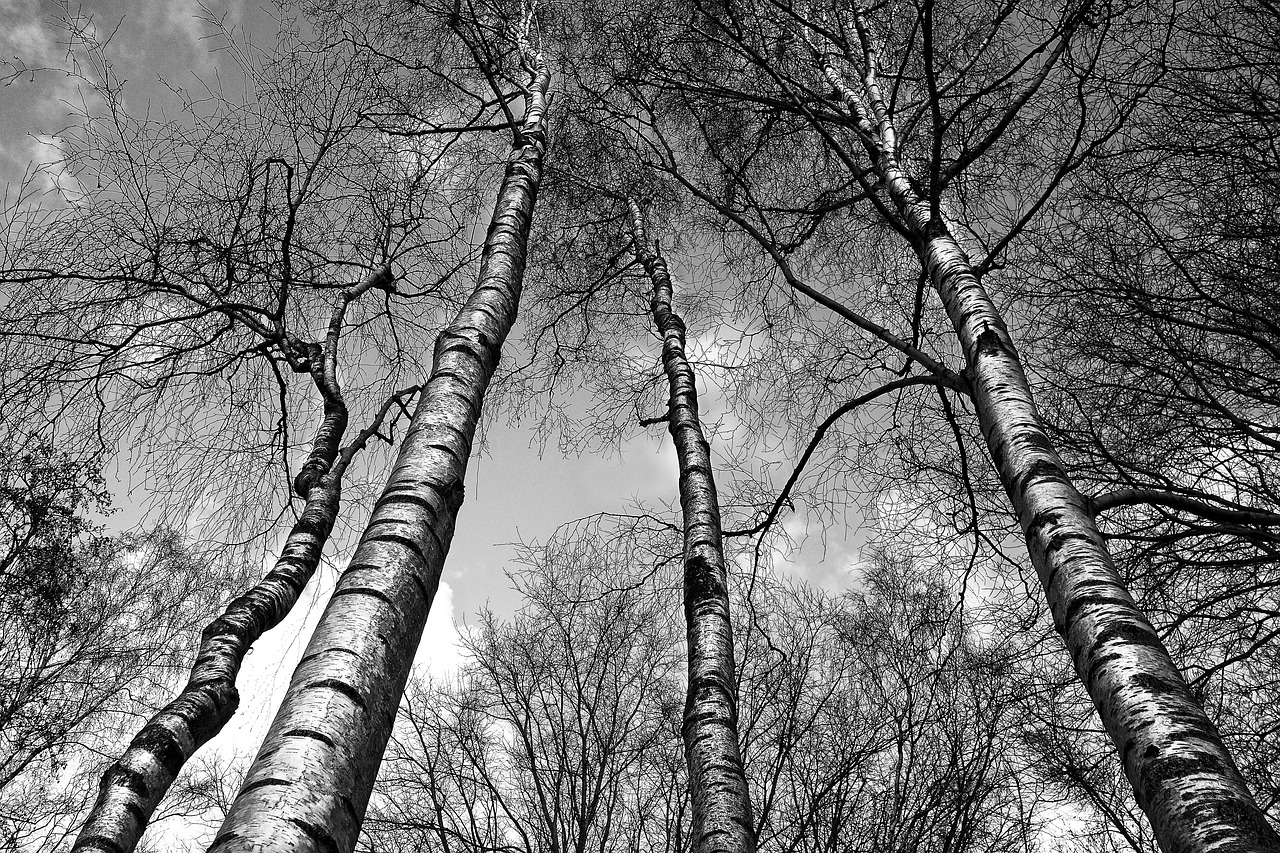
{"x":48,"y":161}
{"x":24,"y":33}
{"x":182,"y":18}
{"x":440,"y":653}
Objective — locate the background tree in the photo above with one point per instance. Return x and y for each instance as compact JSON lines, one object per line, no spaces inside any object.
{"x":94,"y":629}
{"x":561,"y":733}
{"x":867,"y":721}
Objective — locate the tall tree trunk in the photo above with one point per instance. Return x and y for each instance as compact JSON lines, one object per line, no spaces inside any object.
{"x":1182,"y":774}
{"x":133,"y":786}
{"x":309,"y":786}
{"x":722,"y":820}
{"x":1183,"y":777}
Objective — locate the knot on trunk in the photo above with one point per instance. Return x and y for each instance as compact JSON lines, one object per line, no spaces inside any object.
{"x":309,"y":476}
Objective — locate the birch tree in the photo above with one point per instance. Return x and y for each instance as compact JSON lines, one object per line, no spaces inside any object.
{"x":1183,"y":776}
{"x":1169,"y":423}
{"x":722,"y":817}
{"x":311,"y":782}
{"x":134,"y":785}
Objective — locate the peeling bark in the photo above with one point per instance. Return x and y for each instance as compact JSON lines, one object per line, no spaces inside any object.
{"x":309,"y":786}
{"x":722,"y":818}
{"x":1183,"y":777}
{"x":133,"y":786}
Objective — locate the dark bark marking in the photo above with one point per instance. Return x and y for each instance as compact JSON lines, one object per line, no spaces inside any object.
{"x":340,"y":687}
{"x":129,"y":779}
{"x":1157,"y":685}
{"x":1133,"y":633}
{"x":702,"y":579}
{"x":989,"y":342}
{"x":311,"y":733}
{"x":460,"y":458}
{"x":340,"y":649}
{"x":99,"y":842}
{"x":407,"y":498}
{"x":691,"y":470}
{"x":455,"y":495}
{"x":262,"y":783}
{"x":1254,"y":834}
{"x":1160,"y":770}
{"x":1098,"y":663}
{"x":1038,"y":440}
{"x":318,"y":835}
{"x":137,"y":812}
{"x":365,"y":590}
{"x":1079,"y":602}
{"x":1058,"y":541}
{"x":223,"y":839}
{"x":405,"y":542}
{"x":1039,"y":470}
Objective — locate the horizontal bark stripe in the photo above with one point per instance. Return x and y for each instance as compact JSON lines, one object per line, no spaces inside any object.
{"x":264,"y":783}
{"x":365,"y":590}
{"x":405,"y":542}
{"x":310,"y":733}
{"x":340,"y":687}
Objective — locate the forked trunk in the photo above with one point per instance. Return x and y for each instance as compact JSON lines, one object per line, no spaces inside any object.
{"x":722,"y":821}
{"x":309,"y":786}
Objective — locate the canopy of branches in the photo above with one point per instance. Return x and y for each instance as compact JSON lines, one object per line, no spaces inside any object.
{"x":915,"y":244}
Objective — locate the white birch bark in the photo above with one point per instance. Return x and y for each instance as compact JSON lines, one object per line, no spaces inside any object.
{"x":133,"y":786}
{"x":1182,"y":774}
{"x":722,"y":818}
{"x":1183,"y":777}
{"x":309,"y":786}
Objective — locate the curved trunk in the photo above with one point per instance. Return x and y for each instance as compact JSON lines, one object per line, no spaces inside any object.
{"x":133,"y":786}
{"x":324,"y":370}
{"x":722,"y":820}
{"x":309,"y":786}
